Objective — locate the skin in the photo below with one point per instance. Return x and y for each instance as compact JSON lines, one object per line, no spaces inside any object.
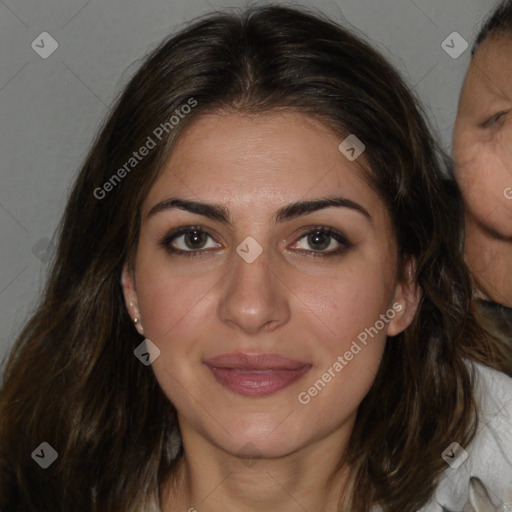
{"x":285,"y":302}
{"x":483,"y":155}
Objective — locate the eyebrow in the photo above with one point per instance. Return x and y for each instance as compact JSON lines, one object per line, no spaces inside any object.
{"x":291,"y":211}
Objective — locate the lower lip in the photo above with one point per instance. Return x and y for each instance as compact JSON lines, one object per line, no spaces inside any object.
{"x":257,"y":384}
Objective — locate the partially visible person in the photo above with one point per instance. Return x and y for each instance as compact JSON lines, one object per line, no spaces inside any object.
{"x":482,"y":151}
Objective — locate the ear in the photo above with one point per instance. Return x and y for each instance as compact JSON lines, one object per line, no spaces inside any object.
{"x":130,"y":297}
{"x":405,"y":301}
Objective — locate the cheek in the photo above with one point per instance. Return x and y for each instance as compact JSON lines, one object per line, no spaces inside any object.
{"x":166,"y":295}
{"x":344,"y":307}
{"x":348,"y":305}
{"x":349,"y":353}
{"x":484,"y":173}
{"x":177,"y":315}
{"x":171,"y":304}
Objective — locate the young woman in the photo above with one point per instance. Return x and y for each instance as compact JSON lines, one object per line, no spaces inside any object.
{"x":258,"y":300}
{"x":483,"y":154}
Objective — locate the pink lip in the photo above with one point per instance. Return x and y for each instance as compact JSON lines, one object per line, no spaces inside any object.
{"x":255,"y":374}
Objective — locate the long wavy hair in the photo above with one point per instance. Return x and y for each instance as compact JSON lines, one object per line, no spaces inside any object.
{"x":72,"y":380}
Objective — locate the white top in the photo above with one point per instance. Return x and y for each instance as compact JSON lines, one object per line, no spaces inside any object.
{"x":482,"y":482}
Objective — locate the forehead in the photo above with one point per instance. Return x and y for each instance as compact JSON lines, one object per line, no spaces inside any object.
{"x":490,"y":71}
{"x":257,"y":158}
{"x":281,"y":137}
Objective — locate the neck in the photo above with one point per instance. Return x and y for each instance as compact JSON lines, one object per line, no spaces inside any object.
{"x":210,"y":479}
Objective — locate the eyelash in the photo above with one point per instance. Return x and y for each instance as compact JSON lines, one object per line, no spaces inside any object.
{"x":167,"y":240}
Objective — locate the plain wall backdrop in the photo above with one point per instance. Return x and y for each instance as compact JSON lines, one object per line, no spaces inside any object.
{"x":51,"y":107}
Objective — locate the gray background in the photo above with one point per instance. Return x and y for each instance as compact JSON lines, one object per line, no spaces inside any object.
{"x":51,"y":108}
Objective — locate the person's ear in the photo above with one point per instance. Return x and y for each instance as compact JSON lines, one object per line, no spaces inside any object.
{"x":130,"y":297}
{"x":405,"y":301}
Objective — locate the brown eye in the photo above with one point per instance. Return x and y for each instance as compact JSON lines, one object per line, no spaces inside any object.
{"x":319,"y":240}
{"x":322,"y":242}
{"x":195,"y":239}
{"x":189,"y":241}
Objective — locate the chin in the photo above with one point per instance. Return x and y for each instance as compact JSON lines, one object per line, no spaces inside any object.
{"x":270,"y":441}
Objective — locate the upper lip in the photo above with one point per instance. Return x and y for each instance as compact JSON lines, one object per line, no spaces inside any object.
{"x":242,"y":361}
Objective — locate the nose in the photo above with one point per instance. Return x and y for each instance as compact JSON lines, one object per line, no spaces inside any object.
{"x":254,"y":298}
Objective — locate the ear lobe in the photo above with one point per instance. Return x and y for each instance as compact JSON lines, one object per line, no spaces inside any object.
{"x":406,"y":300}
{"x":130,"y":295}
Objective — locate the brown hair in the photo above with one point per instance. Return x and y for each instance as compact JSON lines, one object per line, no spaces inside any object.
{"x":72,"y":379}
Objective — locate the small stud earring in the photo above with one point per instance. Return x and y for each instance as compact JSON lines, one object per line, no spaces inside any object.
{"x":138,"y":325}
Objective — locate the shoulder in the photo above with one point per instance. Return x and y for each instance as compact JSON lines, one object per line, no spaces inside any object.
{"x":479,"y":477}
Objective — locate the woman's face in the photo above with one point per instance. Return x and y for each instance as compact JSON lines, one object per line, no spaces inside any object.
{"x":483,"y":137}
{"x":273,"y":291}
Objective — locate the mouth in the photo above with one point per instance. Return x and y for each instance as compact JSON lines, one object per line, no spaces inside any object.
{"x":255,"y":374}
